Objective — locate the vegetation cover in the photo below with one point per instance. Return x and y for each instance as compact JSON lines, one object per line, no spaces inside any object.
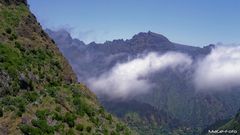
{"x":39,"y":93}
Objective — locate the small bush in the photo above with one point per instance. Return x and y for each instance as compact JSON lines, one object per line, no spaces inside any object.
{"x":31,"y":96}
{"x":52,"y":92}
{"x":56,"y":63}
{"x":82,"y":107}
{"x":105,"y":132}
{"x":101,"y":110}
{"x":20,"y":103}
{"x":1,"y":112}
{"x":95,"y":120}
{"x":42,"y":125}
{"x":58,"y":109}
{"x":114,"y":133}
{"x":109,"y":117}
{"x":18,"y":45}
{"x":8,"y":101}
{"x":42,"y":114}
{"x":13,"y":37}
{"x":70,"y":119}
{"x":21,"y":109}
{"x":30,"y":130}
{"x":119,"y":127}
{"x":70,"y":132}
{"x":89,"y":129}
{"x":2,"y":59}
{"x":80,"y":127}
{"x":8,"y":30}
{"x":57,"y":117}
{"x":59,"y":127}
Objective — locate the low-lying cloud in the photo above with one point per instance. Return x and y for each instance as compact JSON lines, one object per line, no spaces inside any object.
{"x":131,"y":78}
{"x":220,"y":70}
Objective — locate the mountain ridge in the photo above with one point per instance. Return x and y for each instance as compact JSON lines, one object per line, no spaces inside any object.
{"x":140,"y":39}
{"x":112,"y":49}
{"x":174,"y":91}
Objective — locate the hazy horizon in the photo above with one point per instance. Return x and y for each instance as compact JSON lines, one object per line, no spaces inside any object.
{"x":196,"y":23}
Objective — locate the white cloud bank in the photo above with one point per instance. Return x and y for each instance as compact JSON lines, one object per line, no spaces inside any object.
{"x":130,"y":78}
{"x":220,"y":70}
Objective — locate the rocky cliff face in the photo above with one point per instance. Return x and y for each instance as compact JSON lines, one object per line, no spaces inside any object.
{"x":39,"y":93}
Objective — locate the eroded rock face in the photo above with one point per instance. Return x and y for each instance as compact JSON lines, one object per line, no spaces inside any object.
{"x":4,"y":82}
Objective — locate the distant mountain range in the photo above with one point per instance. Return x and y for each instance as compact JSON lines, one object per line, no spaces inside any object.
{"x":106,"y":55}
{"x":174,"y":93}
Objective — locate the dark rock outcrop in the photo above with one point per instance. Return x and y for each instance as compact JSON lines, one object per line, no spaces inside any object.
{"x":4,"y":83}
{"x":15,"y":2}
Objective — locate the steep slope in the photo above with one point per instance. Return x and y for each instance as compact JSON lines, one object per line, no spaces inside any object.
{"x":229,"y":126}
{"x":39,"y":93}
{"x":174,"y":92}
{"x":143,"y":117}
{"x":233,"y":124}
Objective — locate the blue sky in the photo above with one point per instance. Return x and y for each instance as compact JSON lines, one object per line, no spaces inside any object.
{"x":192,"y":22}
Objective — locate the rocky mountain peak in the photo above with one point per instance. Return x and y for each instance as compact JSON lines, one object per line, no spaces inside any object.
{"x":64,"y":36}
{"x":149,"y":38}
{"x":61,"y":34}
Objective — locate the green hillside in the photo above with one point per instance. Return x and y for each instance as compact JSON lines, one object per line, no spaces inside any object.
{"x":39,"y":93}
{"x":228,"y":126}
{"x":233,"y":124}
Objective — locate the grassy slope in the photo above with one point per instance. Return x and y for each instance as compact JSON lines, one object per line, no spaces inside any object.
{"x":233,"y":124}
{"x":226,"y":125}
{"x":39,"y":93}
